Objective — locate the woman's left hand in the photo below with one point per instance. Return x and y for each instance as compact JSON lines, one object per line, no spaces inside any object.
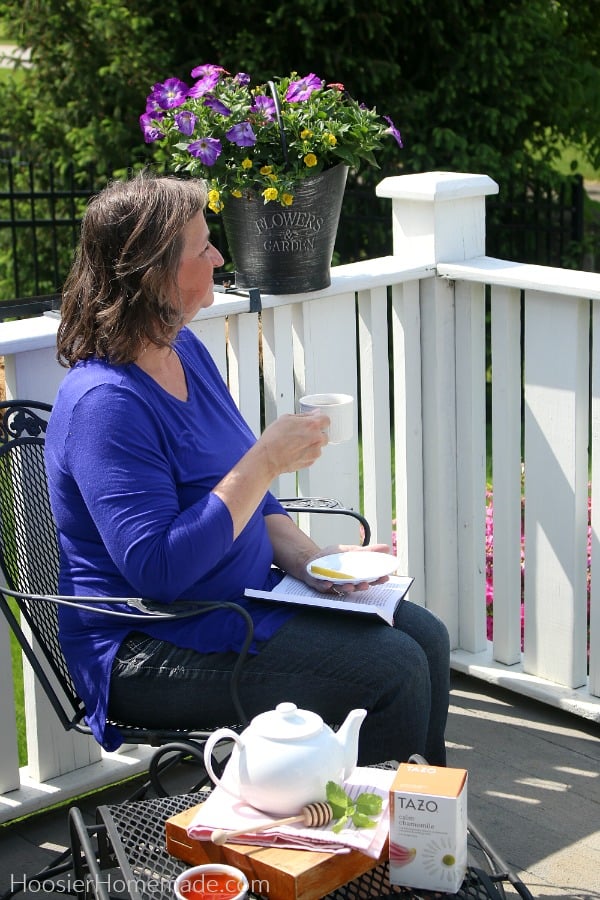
{"x":330,"y":587}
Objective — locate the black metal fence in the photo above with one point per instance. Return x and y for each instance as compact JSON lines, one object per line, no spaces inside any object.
{"x":41,"y":208}
{"x":531,"y":222}
{"x":40,"y":212}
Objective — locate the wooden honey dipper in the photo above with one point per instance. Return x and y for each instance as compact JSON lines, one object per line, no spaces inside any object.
{"x":313,"y":815}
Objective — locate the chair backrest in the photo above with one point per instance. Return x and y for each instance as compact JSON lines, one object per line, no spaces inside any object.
{"x":28,"y":541}
{"x":29,"y":562}
{"x":29,"y":548}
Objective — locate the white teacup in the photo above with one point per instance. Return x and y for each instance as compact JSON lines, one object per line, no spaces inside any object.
{"x":339,"y":408}
{"x":212,"y":881}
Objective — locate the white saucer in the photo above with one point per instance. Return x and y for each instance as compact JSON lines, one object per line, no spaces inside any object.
{"x":353,"y":566}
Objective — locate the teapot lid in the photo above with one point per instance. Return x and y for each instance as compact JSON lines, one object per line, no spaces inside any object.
{"x":287,"y":723}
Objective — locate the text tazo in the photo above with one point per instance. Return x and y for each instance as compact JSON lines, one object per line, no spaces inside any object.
{"x":416,"y":803}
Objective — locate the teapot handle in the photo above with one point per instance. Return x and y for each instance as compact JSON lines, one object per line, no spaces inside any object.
{"x":213,"y":740}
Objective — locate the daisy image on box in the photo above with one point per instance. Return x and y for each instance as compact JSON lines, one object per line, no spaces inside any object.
{"x":439,"y":860}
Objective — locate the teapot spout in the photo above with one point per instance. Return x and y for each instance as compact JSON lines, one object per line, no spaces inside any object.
{"x":347,"y":736}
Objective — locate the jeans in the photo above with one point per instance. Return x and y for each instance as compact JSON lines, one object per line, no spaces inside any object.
{"x":328,"y":662}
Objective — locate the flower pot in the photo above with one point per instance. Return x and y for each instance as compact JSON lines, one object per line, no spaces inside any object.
{"x":286,"y":250}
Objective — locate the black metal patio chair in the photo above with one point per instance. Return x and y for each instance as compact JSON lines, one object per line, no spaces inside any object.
{"x":29,"y":562}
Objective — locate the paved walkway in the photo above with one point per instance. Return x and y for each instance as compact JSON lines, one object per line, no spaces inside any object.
{"x":534,"y":792}
{"x":534,"y":786}
{"x":593,"y":190}
{"x":10,"y":53}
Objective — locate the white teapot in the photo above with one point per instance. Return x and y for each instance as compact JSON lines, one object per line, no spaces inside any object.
{"x":285,"y":757}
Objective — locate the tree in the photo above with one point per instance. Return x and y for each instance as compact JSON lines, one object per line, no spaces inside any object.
{"x":79,"y":99}
{"x":474,"y":85}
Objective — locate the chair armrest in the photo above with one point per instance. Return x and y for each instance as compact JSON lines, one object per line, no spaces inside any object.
{"x":145,"y":609}
{"x":326,"y":506}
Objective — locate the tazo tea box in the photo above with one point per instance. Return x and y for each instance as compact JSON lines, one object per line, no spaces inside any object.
{"x":428,"y":827}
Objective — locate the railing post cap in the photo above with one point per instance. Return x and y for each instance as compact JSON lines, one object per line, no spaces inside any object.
{"x":435,"y":186}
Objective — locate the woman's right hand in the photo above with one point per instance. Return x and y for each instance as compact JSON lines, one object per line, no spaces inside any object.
{"x":294,"y":442}
{"x":288,"y":444}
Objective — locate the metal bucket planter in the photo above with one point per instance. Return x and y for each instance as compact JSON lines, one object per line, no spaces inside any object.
{"x":286,"y":250}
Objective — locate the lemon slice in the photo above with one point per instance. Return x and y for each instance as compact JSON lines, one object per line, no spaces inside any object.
{"x":367,"y":567}
{"x":330,"y":573}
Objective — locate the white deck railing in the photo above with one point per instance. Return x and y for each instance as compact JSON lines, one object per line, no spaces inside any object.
{"x":407,"y":335}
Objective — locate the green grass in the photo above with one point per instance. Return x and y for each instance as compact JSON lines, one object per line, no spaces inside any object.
{"x":571,"y":156}
{"x":17,"y":670}
{"x":7,"y":75}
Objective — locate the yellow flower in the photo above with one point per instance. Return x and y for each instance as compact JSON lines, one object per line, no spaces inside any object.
{"x":214,"y":201}
{"x":236,"y":192}
{"x":305,"y":134}
{"x":310,"y":160}
{"x":270,"y":194}
{"x":266,"y":170}
{"x":246,"y":163}
{"x":272,"y":176}
{"x":331,"y":139}
{"x":287,"y":199}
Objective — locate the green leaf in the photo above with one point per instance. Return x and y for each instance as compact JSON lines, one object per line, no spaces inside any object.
{"x":359,"y":811}
{"x":338,"y":799}
{"x":369,"y":804}
{"x":340,"y":824}
{"x":360,"y":820}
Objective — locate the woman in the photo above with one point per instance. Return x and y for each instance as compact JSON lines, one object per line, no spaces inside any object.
{"x":160,"y":490}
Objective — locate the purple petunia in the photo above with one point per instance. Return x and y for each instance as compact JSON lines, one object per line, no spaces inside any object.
{"x":242,"y":135}
{"x":153,"y":108}
{"x":217,"y":106}
{"x":169,"y":93}
{"x":185,"y":122}
{"x":150,"y":129}
{"x":242,"y":78}
{"x":301,"y":90}
{"x":265,"y":106}
{"x":209,"y":78}
{"x":207,"y":150}
{"x":394,"y":131}
{"x":207,"y":69}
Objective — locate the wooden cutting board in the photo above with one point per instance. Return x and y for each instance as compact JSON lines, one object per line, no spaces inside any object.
{"x":275,"y":873}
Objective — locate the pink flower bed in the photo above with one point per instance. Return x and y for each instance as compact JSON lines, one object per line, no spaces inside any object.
{"x":489,"y":565}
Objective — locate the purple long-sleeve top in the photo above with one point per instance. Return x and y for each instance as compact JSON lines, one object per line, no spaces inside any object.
{"x":131,"y":469}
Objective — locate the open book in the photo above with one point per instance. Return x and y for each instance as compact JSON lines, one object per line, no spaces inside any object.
{"x":379,"y":600}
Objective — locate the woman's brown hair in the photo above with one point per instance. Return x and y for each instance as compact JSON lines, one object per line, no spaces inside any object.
{"x":121,"y":291}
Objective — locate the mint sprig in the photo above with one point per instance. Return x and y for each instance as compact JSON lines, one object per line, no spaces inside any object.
{"x":359,"y":811}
